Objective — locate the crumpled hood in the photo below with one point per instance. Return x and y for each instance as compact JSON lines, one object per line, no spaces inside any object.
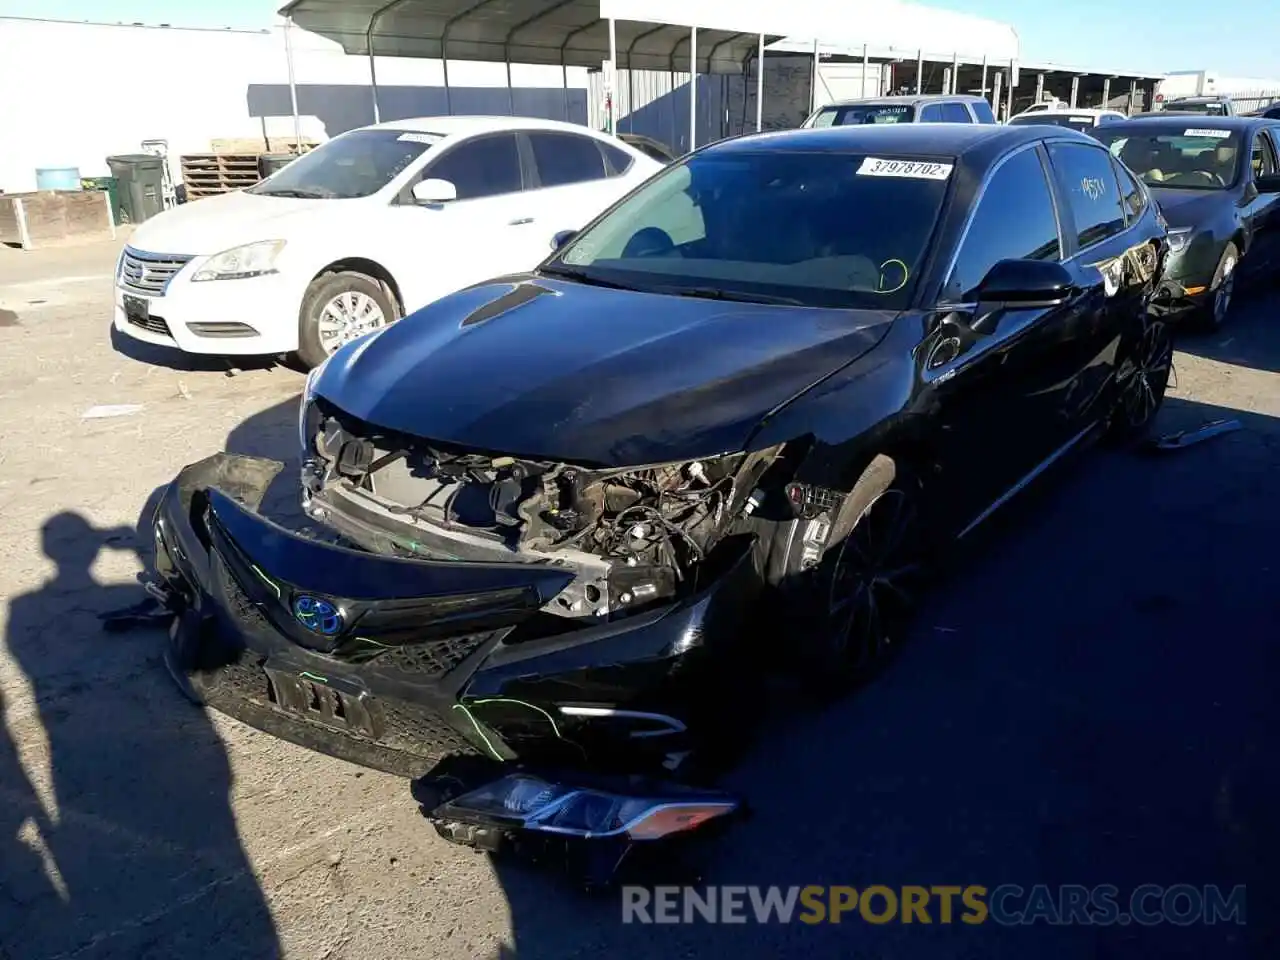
{"x":213,"y":224}
{"x":1190,"y":208}
{"x":564,"y":371}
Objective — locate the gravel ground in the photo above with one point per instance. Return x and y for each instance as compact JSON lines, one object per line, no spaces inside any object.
{"x":1089,"y":700}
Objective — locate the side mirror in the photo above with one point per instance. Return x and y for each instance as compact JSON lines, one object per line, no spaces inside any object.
{"x":561,"y":238}
{"x":1269,"y":183}
{"x":1021,"y":284}
{"x":434,"y":191}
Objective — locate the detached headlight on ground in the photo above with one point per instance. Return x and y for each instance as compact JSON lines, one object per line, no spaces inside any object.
{"x":520,"y":801}
{"x":1179,"y":239}
{"x":250,"y":260}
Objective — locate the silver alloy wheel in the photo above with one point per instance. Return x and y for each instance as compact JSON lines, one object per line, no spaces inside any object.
{"x":871,"y":578}
{"x":1222,"y":296}
{"x":349,"y":315}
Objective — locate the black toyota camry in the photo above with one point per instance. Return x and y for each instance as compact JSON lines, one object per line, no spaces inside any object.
{"x":1217,"y":183}
{"x":762,"y":391}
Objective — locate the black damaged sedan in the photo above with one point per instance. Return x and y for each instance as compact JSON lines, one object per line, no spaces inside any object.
{"x":576,"y":513}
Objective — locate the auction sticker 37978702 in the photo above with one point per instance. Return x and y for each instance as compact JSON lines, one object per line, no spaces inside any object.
{"x":913,"y":169}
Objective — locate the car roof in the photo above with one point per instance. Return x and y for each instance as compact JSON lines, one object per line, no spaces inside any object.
{"x":1183,"y":120}
{"x":468,"y":125}
{"x":1075,"y":112}
{"x":905,"y":100}
{"x":1200,"y":99}
{"x":974,"y":145}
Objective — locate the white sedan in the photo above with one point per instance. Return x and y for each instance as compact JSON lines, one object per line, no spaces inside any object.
{"x":362,"y":230}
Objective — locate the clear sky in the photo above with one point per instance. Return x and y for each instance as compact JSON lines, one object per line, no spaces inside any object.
{"x":1156,"y":36}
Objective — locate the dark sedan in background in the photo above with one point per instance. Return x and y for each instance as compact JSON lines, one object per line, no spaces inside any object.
{"x":792,"y":366}
{"x":1217,"y":182}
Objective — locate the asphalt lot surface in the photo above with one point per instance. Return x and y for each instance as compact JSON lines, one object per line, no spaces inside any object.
{"x":1090,"y":699}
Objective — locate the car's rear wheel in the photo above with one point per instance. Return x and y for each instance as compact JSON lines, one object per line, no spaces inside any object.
{"x":1222,"y":289}
{"x":1141,"y":382}
{"x":336,"y":309}
{"x":868,"y":582}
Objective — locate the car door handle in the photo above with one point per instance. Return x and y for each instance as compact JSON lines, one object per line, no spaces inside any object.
{"x":520,"y":221}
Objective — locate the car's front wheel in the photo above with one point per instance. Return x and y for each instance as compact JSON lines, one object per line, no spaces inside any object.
{"x":336,"y":309}
{"x":868,"y":582}
{"x":1141,"y":381}
{"x":1222,"y":289}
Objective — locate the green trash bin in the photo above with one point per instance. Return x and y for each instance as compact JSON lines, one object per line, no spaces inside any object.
{"x":112,"y":188}
{"x":141,"y":184}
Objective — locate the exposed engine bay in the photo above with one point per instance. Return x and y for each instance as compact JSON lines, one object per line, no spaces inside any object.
{"x":633,"y":536}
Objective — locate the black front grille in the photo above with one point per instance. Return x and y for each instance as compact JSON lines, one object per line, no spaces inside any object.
{"x":152,"y":324}
{"x":435,"y":658}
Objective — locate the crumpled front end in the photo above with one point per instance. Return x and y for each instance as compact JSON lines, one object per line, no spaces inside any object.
{"x":402,"y":664}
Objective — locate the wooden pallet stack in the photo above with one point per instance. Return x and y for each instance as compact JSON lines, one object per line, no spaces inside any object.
{"x":208,"y":174}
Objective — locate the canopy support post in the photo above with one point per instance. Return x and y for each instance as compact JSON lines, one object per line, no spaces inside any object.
{"x":984,"y":76}
{"x":813,"y":84}
{"x":919,"y":69}
{"x":1106,"y":93}
{"x":611,"y":95}
{"x":368,"y":45}
{"x":955,"y":74}
{"x":511,"y":93}
{"x":293,"y":87}
{"x":995,"y":94}
{"x":760,"y":86}
{"x":866,"y":64}
{"x":1009,"y":94}
{"x":1075,"y":91}
{"x":693,"y":88}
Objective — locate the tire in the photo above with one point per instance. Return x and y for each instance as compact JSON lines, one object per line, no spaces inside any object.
{"x":338,"y":307}
{"x":864,"y":589}
{"x":1141,"y":382}
{"x":1222,"y":290}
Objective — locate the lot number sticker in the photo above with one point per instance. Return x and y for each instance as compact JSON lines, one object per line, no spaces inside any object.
{"x":428,"y":138}
{"x":1220,"y":134}
{"x":912,"y":169}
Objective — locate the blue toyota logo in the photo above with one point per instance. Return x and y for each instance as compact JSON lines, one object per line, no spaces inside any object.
{"x":317,"y":615}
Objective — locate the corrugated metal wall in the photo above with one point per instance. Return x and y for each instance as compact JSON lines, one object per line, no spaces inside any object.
{"x":655,"y":103}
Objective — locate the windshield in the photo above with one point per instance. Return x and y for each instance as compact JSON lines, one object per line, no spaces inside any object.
{"x":355,"y":164}
{"x":1195,"y":158}
{"x":863,"y":113}
{"x":1208,"y":109}
{"x":1073,"y":122}
{"x":812,"y":229}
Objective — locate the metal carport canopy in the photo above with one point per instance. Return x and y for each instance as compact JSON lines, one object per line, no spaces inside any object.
{"x":650,"y":34}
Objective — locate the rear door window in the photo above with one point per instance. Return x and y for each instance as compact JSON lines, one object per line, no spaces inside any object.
{"x":1014,"y":220}
{"x":955,"y":113}
{"x":564,"y":158}
{"x":931,"y":113}
{"x":982,"y":110}
{"x":1088,"y":182}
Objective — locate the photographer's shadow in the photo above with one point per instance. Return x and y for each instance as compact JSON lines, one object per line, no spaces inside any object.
{"x":138,"y":853}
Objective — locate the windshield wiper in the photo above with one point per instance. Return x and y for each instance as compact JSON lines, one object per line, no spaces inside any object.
{"x":570,"y":273}
{"x":718,"y":293}
{"x":299,"y":194}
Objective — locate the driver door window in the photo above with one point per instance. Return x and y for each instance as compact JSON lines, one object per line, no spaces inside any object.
{"x":484,"y":167}
{"x":1014,"y":220}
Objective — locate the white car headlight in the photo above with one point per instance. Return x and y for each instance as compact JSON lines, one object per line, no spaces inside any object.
{"x":1179,"y":238}
{"x":250,"y":260}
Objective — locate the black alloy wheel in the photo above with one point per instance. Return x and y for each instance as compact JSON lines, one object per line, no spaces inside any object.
{"x":1142,"y":381}
{"x":871,"y":585}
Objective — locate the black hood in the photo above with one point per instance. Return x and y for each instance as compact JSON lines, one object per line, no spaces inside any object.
{"x":549,"y":369}
{"x":1192,"y":208}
